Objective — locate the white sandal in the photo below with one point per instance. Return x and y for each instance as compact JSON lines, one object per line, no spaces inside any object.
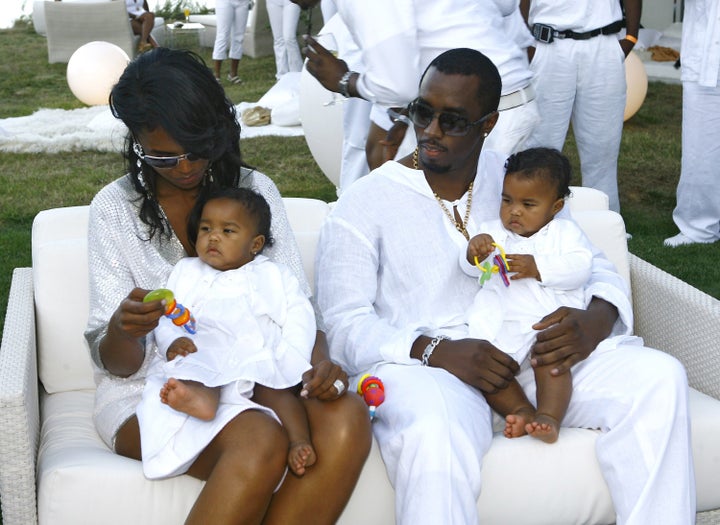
{"x":233,"y":79}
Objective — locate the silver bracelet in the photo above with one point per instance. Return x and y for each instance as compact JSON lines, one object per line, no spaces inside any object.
{"x":430,"y":348}
{"x":344,"y":84}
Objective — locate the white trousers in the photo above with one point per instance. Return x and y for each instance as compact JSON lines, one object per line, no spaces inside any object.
{"x":583,"y":82}
{"x":433,"y":431}
{"x":697,"y":213}
{"x":232,"y":16}
{"x":284,"y":16}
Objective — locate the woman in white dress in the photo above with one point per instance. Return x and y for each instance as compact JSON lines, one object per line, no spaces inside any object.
{"x":184,"y":140}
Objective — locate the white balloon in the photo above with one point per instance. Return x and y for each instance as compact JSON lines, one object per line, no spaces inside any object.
{"x":637,"y":84}
{"x":93,"y":69}
{"x":321,"y":118}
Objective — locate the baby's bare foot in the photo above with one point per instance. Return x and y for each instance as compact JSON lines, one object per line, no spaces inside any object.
{"x":516,"y":423}
{"x":300,"y":456}
{"x":191,"y":398}
{"x":545,"y":428}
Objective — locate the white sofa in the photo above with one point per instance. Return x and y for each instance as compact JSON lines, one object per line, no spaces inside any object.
{"x":55,"y":470}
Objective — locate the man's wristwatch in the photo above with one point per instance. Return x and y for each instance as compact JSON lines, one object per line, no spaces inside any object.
{"x":430,"y":348}
{"x":344,"y":84}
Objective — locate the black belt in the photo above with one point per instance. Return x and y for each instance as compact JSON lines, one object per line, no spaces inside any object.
{"x":545,"y":33}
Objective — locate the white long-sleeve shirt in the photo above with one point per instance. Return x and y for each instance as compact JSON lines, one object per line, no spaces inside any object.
{"x":399,"y":38}
{"x":387,"y":268}
{"x":700,"y":48}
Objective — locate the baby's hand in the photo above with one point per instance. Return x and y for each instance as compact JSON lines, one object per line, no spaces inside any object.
{"x":480,"y":246}
{"x":300,"y":456}
{"x":523,"y":266}
{"x":181,"y":346}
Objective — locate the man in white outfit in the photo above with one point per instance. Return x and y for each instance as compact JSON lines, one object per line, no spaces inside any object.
{"x":697,"y":213}
{"x":398,"y":40}
{"x":394,"y":299}
{"x":580,"y":78}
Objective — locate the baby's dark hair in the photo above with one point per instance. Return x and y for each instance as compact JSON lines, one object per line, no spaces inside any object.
{"x":545,"y":163}
{"x":254,"y":203}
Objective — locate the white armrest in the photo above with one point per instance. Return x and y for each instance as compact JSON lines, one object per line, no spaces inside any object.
{"x":19,"y":414}
{"x":673,"y":316}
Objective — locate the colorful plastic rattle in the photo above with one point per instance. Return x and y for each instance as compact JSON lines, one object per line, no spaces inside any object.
{"x":372,"y":391}
{"x":501,"y":266}
{"x":176,"y":312}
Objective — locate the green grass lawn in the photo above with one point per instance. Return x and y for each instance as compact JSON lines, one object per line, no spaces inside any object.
{"x":649,"y":163}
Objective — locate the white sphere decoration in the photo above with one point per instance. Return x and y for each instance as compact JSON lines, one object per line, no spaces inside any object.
{"x":321,"y":118}
{"x":93,"y":69}
{"x":637,"y":84}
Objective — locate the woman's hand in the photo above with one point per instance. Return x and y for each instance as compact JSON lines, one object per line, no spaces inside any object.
{"x":476,"y":362}
{"x":121,"y":350}
{"x":134,"y":318}
{"x":322,"y":381}
{"x":325,"y":381}
{"x":570,"y":335}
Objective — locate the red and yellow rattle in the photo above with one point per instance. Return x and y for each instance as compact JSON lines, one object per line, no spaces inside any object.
{"x":176,"y":312}
{"x":372,"y":391}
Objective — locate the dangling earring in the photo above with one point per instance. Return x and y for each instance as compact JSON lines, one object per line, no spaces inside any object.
{"x":208,"y":179}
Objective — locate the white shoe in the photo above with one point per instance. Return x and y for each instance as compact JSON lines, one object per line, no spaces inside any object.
{"x":678,"y":240}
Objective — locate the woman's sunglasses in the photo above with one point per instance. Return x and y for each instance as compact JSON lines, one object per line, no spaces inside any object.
{"x":163,"y":162}
{"x":422,"y":114}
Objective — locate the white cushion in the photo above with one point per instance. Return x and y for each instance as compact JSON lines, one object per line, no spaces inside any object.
{"x":606,"y":230}
{"x":60,"y":281}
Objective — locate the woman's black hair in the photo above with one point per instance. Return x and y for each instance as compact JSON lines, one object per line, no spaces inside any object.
{"x":255,"y":204}
{"x":176,"y":91}
{"x":542,"y":162}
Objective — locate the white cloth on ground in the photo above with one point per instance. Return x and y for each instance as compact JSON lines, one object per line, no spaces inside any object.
{"x":253,"y":325}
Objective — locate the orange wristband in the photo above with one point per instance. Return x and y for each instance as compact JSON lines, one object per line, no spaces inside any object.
{"x":631,"y":38}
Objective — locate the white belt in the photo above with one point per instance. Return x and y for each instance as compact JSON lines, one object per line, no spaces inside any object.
{"x":516,"y":98}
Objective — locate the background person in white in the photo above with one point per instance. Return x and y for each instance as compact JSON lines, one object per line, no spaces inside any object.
{"x":231,"y":18}
{"x":284,"y":16}
{"x":388,"y":282}
{"x":697,"y":213}
{"x":398,"y":40}
{"x":583,"y":81}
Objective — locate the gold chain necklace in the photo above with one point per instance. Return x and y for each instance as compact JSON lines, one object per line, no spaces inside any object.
{"x":460,"y":226}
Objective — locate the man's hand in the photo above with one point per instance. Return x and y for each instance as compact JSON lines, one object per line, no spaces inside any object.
{"x":523,"y":266}
{"x":393,"y":139}
{"x":478,"y":363}
{"x":323,"y":65}
{"x":181,"y":346}
{"x":570,"y":335}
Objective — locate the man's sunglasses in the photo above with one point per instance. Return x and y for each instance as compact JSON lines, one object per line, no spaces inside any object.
{"x":422,"y":114}
{"x":163,"y":162}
